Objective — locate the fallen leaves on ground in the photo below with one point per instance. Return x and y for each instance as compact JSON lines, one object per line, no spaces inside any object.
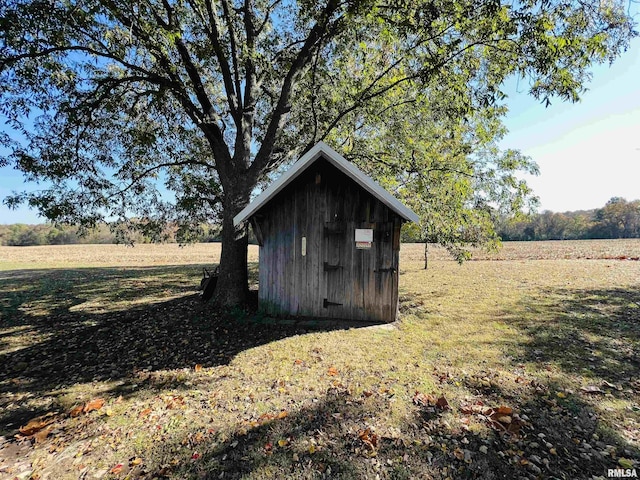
{"x":591,"y":389}
{"x":504,"y":410}
{"x":370,"y":440}
{"x":267,"y":418}
{"x":37,"y":424}
{"x":175,"y":402}
{"x":95,"y":404}
{"x":145,"y":412}
{"x":502,"y":418}
{"x":426,"y":400}
{"x":156,"y":360}
{"x":442,"y":404}
{"x":625,"y":462}
{"x":40,"y":436}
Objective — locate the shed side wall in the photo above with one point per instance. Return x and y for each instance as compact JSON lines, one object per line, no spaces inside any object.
{"x":325,"y":207}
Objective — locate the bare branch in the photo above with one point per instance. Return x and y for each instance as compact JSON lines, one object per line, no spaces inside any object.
{"x":314,"y":113}
{"x":267,"y":16}
{"x":234,"y":49}
{"x":149,"y":170}
{"x":194,"y":76}
{"x":227,"y":77}
{"x":302,"y":59}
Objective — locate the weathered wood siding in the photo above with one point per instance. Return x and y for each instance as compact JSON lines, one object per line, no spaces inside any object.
{"x":333,"y":279}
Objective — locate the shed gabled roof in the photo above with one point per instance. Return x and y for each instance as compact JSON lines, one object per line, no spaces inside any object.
{"x":321,"y":149}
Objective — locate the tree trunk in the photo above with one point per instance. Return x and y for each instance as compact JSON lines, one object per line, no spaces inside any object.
{"x":233,"y":287}
{"x":426,"y":255}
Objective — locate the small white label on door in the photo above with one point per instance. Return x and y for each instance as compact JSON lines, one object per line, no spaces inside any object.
{"x":364,"y":235}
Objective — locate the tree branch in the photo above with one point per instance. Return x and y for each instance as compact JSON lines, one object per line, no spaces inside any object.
{"x":227,"y":77}
{"x":313,"y":97}
{"x":149,"y":170}
{"x":202,"y":119}
{"x":234,"y":49}
{"x":362,"y":99}
{"x":428,"y":72}
{"x":267,"y":16}
{"x":194,"y":76}
{"x":302,"y":59}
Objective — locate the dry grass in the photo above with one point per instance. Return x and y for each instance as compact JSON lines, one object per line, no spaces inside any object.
{"x":274,"y":401}
{"x":548,"y":250}
{"x":61,"y":256}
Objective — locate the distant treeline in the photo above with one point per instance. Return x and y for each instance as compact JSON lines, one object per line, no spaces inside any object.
{"x":47,"y":234}
{"x":617,"y":219}
{"x":22,"y":235}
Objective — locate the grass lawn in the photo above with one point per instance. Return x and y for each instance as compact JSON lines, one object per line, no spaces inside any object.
{"x":520,"y":364}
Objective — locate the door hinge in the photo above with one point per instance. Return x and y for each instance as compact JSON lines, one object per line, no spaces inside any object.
{"x":328,"y":267}
{"x":385,"y":270}
{"x":326,"y":303}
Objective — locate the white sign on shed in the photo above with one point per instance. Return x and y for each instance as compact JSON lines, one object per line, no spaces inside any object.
{"x":364,"y":238}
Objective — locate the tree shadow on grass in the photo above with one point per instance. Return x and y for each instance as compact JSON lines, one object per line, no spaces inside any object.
{"x":75,"y":326}
{"x":347,"y":436}
{"x":593,"y":333}
{"x":567,"y":430}
{"x":325,"y":439}
{"x":592,"y":338}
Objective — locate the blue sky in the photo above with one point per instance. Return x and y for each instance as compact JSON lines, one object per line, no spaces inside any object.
{"x":587,"y":152}
{"x":11,"y":180}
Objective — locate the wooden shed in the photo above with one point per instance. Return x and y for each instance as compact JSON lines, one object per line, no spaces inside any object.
{"x":329,"y":241}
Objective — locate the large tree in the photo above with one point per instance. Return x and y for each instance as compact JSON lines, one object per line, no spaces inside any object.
{"x":115,"y":102}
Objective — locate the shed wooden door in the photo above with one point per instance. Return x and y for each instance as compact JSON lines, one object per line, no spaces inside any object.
{"x":383,"y":300}
{"x":333,"y":267}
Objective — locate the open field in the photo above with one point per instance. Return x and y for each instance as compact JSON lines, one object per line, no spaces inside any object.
{"x":209,"y":253}
{"x":114,"y":369}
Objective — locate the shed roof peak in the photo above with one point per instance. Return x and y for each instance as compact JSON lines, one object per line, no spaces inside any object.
{"x":323,"y":150}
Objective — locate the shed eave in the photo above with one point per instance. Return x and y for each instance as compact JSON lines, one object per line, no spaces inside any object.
{"x":322,"y":149}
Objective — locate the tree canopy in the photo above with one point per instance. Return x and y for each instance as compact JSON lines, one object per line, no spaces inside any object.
{"x":114,"y":103}
{"x":451,"y":172}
